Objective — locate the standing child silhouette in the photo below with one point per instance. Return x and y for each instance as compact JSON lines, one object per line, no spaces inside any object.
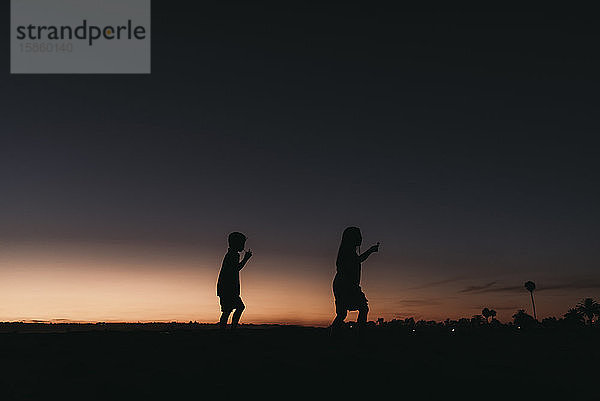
{"x":346,"y":284}
{"x":228,"y":285}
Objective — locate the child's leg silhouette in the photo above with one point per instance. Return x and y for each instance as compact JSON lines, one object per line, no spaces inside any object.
{"x":362,"y":315}
{"x":339,"y":318}
{"x":224,"y":319}
{"x":236,"y":315}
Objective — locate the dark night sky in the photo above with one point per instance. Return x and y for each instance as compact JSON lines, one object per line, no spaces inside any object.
{"x":463,"y":141}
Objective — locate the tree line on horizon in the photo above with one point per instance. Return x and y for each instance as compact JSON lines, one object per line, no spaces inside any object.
{"x":584,"y":313}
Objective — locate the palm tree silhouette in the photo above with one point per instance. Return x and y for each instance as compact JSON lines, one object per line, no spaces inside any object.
{"x":589,"y":308}
{"x":530,"y":286}
{"x":574,"y":316}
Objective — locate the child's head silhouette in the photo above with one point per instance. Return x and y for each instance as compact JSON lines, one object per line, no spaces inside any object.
{"x":351,"y":237}
{"x":236,"y":241}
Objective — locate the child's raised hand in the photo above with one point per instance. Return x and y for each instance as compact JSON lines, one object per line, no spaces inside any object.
{"x":248,"y":254}
{"x":374,"y":248}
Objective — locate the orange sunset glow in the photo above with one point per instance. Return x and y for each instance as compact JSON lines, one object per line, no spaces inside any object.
{"x":111,"y":282}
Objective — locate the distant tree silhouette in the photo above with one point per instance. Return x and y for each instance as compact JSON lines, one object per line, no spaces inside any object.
{"x":589,"y":308}
{"x":530,"y":286}
{"x":549,"y":322}
{"x":476,"y":320}
{"x":464,"y":323}
{"x":574,"y":317}
{"x":486,"y":314}
{"x":522,"y":319}
{"x":493,"y":314}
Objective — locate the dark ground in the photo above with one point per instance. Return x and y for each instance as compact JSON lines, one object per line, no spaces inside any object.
{"x":194,"y":361}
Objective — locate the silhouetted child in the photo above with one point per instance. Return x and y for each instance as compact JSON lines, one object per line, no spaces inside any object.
{"x":228,"y":285}
{"x":346,"y":284}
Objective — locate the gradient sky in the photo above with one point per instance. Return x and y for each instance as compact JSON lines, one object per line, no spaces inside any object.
{"x":465,"y":142}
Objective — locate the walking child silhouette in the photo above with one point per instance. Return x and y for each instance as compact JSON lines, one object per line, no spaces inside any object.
{"x":346,"y":284}
{"x":228,"y":285}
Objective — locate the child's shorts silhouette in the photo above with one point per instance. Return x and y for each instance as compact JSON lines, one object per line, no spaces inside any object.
{"x":349,"y":297}
{"x":229,"y":303}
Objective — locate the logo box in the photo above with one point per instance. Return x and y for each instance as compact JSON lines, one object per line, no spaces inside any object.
{"x":80,"y":37}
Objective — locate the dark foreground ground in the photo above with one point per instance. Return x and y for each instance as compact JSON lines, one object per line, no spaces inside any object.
{"x":196,"y":362}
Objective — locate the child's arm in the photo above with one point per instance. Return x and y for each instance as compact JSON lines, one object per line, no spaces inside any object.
{"x":368,"y":252}
{"x":247,"y":255}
